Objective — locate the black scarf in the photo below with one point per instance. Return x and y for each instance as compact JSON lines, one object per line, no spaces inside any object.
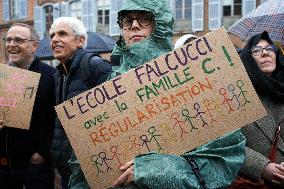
{"x":273,"y":85}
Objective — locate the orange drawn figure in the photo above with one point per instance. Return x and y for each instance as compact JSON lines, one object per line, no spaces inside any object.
{"x":134,"y":143}
{"x":226,"y":100}
{"x":243,"y":93}
{"x":179,"y":123}
{"x":116,"y":155}
{"x":96,"y":164}
{"x":152,"y":131}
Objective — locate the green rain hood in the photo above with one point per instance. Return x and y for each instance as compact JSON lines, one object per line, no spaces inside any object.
{"x":159,"y":43}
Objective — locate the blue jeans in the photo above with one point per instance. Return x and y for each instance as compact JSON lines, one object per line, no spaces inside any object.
{"x":32,"y":177}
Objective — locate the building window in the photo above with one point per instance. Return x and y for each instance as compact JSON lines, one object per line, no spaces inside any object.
{"x":232,"y":7}
{"x":183,"y":9}
{"x":48,"y":15}
{"x":75,"y":9}
{"x":14,"y":9}
{"x":103,"y":17}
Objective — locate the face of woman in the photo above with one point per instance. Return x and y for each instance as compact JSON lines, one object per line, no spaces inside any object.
{"x":264,"y":54}
{"x":136,"y":26}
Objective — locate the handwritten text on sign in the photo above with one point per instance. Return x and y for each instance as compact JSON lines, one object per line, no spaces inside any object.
{"x":171,"y":105}
{"x":18,"y":89}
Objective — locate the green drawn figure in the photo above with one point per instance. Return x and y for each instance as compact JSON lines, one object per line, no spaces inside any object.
{"x":152,"y":131}
{"x":243,"y":93}
{"x":231,"y":88}
{"x":96,"y":164}
{"x":188,"y":118}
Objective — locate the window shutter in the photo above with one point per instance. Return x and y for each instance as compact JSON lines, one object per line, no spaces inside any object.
{"x":214,"y":14}
{"x":56,"y":11}
{"x":6,"y":12}
{"x":197,"y":15}
{"x":248,"y":6}
{"x":39,"y":21}
{"x":88,"y":14}
{"x":114,"y":29}
{"x":23,"y":8}
{"x":64,"y":9}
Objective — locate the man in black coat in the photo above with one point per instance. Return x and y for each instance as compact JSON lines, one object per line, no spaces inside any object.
{"x":68,"y":39}
{"x":28,"y":151}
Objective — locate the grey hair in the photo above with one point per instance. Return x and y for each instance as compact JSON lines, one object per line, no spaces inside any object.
{"x":74,"y":24}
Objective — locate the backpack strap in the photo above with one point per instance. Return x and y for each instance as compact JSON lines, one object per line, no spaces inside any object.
{"x":85,"y":69}
{"x":196,"y":171}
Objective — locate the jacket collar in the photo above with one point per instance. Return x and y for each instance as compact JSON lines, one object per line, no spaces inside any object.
{"x":73,"y":61}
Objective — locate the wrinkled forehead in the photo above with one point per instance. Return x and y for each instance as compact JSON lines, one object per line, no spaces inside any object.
{"x":61,"y":27}
{"x":19,"y":31}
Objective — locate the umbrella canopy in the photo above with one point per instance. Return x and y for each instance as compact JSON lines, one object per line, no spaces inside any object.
{"x":100,"y":42}
{"x":268,"y":16}
{"x":97,"y":42}
{"x":44,"y":51}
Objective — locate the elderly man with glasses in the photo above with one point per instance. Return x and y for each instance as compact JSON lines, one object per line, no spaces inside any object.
{"x":24,"y":154}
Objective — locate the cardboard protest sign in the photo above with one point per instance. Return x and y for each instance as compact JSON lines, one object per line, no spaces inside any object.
{"x":18,"y":89}
{"x":170,"y":105}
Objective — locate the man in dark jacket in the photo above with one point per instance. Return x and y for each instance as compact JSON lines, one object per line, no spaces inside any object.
{"x":68,"y":38}
{"x":27,"y":151}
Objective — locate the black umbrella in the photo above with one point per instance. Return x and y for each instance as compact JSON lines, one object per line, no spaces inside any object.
{"x":44,"y":51}
{"x":100,"y":42}
{"x":97,"y":42}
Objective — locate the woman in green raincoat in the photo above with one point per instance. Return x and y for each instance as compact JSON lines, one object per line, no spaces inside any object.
{"x":147,"y":30}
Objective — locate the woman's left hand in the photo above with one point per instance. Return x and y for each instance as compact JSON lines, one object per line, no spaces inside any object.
{"x":279,"y":176}
{"x":127,"y":177}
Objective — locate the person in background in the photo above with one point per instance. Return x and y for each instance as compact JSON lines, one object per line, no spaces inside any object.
{"x":261,"y":60}
{"x":147,"y":30}
{"x":68,"y":39}
{"x":25,"y":156}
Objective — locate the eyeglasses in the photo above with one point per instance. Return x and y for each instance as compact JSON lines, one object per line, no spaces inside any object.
{"x":16,"y":40}
{"x":258,"y":50}
{"x":144,"y":19}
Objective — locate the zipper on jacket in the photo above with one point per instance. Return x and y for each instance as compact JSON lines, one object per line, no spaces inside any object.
{"x":64,"y":85}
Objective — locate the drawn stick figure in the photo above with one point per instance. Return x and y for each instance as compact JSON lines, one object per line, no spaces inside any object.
{"x":208,"y":109}
{"x":116,"y":155}
{"x":5,"y":114}
{"x":152,"y":131}
{"x":185,"y":113}
{"x":97,"y":165}
{"x":104,"y":159}
{"x":243,"y":93}
{"x":145,"y":141}
{"x":179,"y":123}
{"x":199,"y":114}
{"x":226,"y":100}
{"x":134,"y":143}
{"x":231,"y":88}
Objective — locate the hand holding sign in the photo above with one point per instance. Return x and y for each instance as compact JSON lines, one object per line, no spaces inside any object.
{"x":1,"y":124}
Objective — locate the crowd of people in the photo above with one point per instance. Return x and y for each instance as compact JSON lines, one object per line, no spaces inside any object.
{"x":250,"y":157}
